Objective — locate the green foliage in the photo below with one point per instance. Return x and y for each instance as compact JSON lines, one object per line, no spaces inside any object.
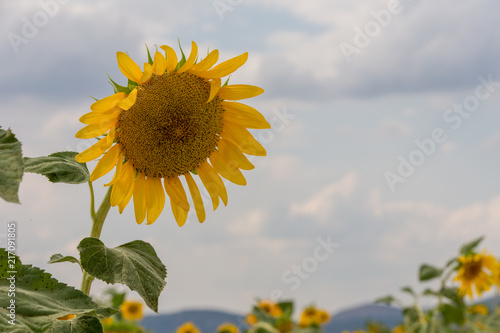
{"x":11,"y":166}
{"x":38,"y":297}
{"x":56,"y":258}
{"x":387,"y":300}
{"x":118,"y":88}
{"x":470,"y":247}
{"x":428,"y":272}
{"x":58,"y":168}
{"x":83,"y":324}
{"x":134,"y":264}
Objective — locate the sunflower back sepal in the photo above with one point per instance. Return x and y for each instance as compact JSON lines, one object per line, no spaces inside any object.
{"x":118,"y":88}
{"x":58,"y":167}
{"x":11,"y":166}
{"x":145,"y":272}
{"x":39,"y":300}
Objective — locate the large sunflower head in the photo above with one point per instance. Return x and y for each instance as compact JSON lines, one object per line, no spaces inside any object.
{"x":475,"y":273}
{"x":173,"y":120}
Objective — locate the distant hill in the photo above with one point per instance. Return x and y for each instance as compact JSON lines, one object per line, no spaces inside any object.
{"x":208,"y":320}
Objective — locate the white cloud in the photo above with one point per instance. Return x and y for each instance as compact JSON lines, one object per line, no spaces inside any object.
{"x":322,"y":204}
{"x":249,"y":224}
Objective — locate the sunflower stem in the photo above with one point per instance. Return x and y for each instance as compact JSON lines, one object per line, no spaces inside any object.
{"x":97,"y":223}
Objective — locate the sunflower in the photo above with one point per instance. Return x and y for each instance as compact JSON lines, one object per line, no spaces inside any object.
{"x":251,"y":319}
{"x":227,"y":328}
{"x":132,"y":310}
{"x":475,"y":272}
{"x":313,"y":316}
{"x":174,"y":119}
{"x":271,"y":308}
{"x":188,"y":327}
{"x":478,"y":308}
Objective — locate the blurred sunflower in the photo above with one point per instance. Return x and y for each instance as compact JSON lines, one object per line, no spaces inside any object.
{"x":132,"y":310}
{"x":170,"y":121}
{"x":251,"y":319}
{"x":227,"y":328}
{"x":313,"y":316}
{"x":478,"y":308}
{"x":188,"y":327}
{"x":271,"y":308}
{"x":475,"y":273}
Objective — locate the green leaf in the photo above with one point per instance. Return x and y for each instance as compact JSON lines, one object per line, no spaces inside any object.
{"x":183,"y":59}
{"x":134,"y":264}
{"x":408,"y":290}
{"x":429,"y":292}
{"x":11,"y":166}
{"x":83,"y":324}
{"x":58,"y":168}
{"x":387,"y":300}
{"x":57,"y":258}
{"x":286,"y":308}
{"x":470,"y":247}
{"x":39,"y":298}
{"x":428,"y":272}
{"x":452,"y":314}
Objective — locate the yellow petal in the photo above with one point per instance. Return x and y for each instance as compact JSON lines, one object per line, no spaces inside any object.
{"x":124,"y":186}
{"x":214,"y":88}
{"x":244,"y":115}
{"x":106,"y":163}
{"x":239,"y":91}
{"x":209,"y":172}
{"x":128,"y":67}
{"x":242,"y":138}
{"x":155,"y":198}
{"x":94,"y":130}
{"x":227,"y":169}
{"x":148,"y":71}
{"x":91,"y":153}
{"x":127,"y":103}
{"x":179,"y":213}
{"x":225,"y":68}
{"x":107,"y":103}
{"x":110,"y":137}
{"x":190,"y":61}
{"x":171,"y":58}
{"x":231,"y":153}
{"x":176,"y":192}
{"x":159,"y":64}
{"x":119,"y":170}
{"x":95,"y":117}
{"x":140,"y":198}
{"x":206,"y":63}
{"x":196,"y":195}
{"x":209,"y":184}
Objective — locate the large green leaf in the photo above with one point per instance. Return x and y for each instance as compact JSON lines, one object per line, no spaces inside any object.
{"x":39,"y":299}
{"x":134,"y":264}
{"x":11,"y":166}
{"x":58,"y":167}
{"x":83,"y":324}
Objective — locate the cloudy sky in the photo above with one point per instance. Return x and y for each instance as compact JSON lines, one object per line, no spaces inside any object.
{"x":384,"y":142}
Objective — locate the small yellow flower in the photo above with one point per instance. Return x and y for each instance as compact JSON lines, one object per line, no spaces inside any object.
{"x":132,"y":310}
{"x":107,"y":321}
{"x":270,"y":307}
{"x":251,"y":319}
{"x":475,"y":273}
{"x":188,"y":327}
{"x":313,"y":316}
{"x":174,"y":119}
{"x":227,"y":328}
{"x":478,"y":308}
{"x":67,"y":317}
{"x":398,"y":329}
